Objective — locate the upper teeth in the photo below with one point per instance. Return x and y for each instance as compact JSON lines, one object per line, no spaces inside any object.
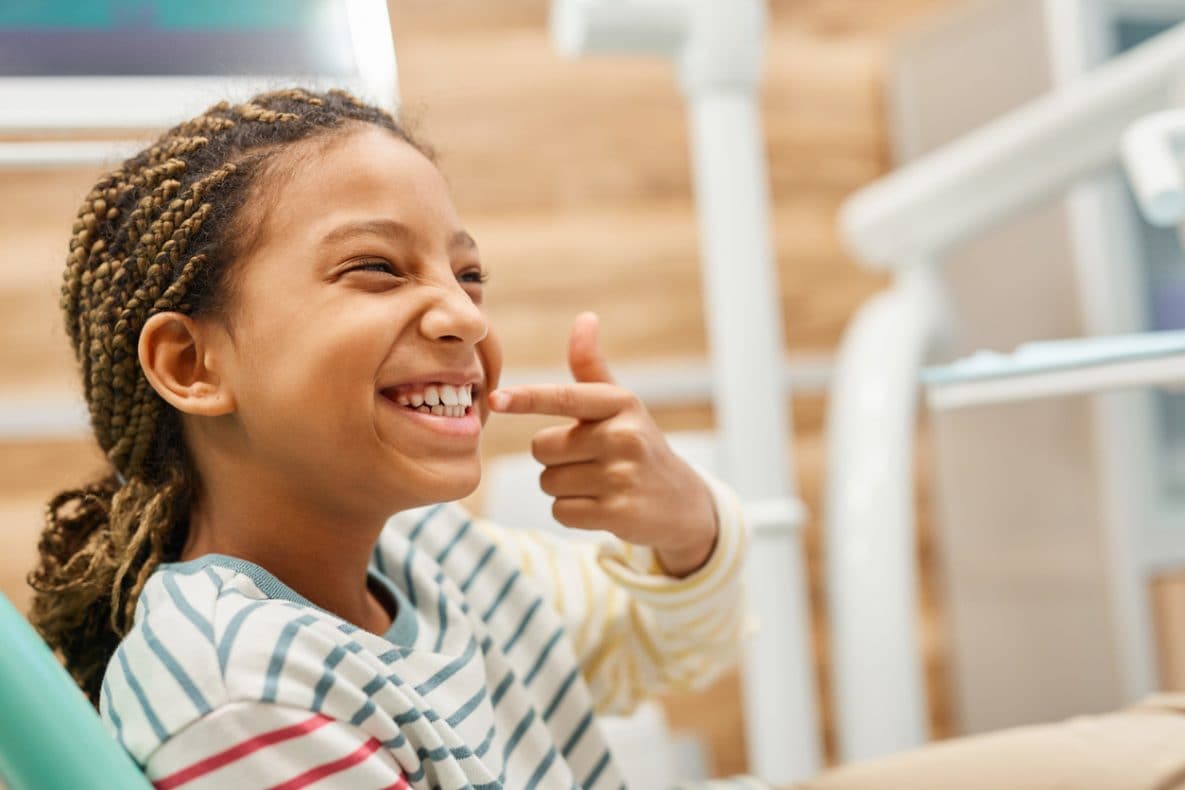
{"x":438,"y":395}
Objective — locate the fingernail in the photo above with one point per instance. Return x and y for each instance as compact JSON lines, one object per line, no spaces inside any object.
{"x":499,"y":399}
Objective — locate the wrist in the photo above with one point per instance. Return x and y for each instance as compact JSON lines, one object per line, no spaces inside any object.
{"x":688,"y":557}
{"x":684,"y":561}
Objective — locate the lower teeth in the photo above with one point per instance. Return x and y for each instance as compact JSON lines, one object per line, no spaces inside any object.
{"x":439,"y":411}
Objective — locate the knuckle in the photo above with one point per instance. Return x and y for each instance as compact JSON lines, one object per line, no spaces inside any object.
{"x":626,"y":440}
{"x":622,"y":508}
{"x":621,"y":477}
{"x":566,"y":398}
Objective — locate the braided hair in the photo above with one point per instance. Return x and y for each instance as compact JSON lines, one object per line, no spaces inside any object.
{"x":159,"y":233}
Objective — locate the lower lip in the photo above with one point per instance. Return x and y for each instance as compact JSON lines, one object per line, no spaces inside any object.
{"x":467,"y":427}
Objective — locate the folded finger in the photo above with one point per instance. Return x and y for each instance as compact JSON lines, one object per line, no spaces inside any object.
{"x":573,"y":480}
{"x":578,"y":512}
{"x":563,"y":444}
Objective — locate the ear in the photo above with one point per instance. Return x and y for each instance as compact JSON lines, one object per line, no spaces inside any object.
{"x":177,"y":356}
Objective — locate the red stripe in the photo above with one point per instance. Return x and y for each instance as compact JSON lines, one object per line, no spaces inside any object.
{"x":238,"y":751}
{"x":401,"y":784}
{"x":326,"y":769}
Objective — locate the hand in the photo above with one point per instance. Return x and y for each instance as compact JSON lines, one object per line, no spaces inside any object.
{"x":613,"y":468}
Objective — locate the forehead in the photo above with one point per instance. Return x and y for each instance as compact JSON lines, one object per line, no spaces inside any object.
{"x":364,"y":175}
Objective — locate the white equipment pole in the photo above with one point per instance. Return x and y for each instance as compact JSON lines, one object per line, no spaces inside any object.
{"x":718,"y":48}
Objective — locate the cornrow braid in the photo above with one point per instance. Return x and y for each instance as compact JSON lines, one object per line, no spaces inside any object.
{"x":160,"y":233}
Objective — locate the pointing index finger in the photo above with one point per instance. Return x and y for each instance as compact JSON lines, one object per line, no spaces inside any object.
{"x":581,"y":400}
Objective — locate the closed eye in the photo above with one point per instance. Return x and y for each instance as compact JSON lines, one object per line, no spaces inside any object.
{"x":383,"y":267}
{"x":473,"y":276}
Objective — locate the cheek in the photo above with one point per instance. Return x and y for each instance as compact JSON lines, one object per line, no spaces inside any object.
{"x":489,"y":351}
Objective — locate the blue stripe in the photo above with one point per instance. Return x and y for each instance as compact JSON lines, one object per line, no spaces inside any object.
{"x":179,"y":674}
{"x":407,"y":582}
{"x":543,"y":656}
{"x":493,"y":607}
{"x":443,"y":555}
{"x":407,"y":717}
{"x":215,"y":579}
{"x":522,"y":626}
{"x":481,"y":563}
{"x":416,"y":775}
{"x":419,"y":527}
{"x":394,"y":654}
{"x":596,"y":771}
{"x":370,"y":689}
{"x":541,"y":769}
{"x":134,"y":685}
{"x":517,"y":735}
{"x":574,"y":738}
{"x":328,"y":677}
{"x":111,"y":714}
{"x":441,"y":615}
{"x":559,"y":695}
{"x":280,"y":653}
{"x":484,"y":746}
{"x":396,"y":742}
{"x":363,"y":713}
{"x":467,"y":708}
{"x":191,"y":614}
{"x":502,"y":688}
{"x":450,"y":669}
{"x":232,"y":629}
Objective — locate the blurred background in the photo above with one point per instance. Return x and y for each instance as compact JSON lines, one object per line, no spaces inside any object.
{"x":575,"y":176}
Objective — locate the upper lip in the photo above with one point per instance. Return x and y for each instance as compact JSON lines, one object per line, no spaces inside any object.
{"x":457,"y":378}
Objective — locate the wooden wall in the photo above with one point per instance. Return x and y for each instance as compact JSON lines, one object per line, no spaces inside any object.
{"x":574,"y":179}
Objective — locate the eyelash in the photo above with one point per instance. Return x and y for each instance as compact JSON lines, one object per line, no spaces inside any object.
{"x":386,"y":268}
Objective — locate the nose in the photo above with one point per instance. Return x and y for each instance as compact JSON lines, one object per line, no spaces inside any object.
{"x":451,"y":315}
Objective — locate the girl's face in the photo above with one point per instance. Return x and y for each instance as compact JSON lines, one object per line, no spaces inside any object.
{"x":358,"y":308}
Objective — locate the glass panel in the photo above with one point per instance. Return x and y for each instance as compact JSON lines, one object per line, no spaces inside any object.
{"x":171,"y":38}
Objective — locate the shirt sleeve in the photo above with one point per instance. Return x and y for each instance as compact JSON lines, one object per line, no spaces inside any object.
{"x":636,"y":630}
{"x":256,"y":744}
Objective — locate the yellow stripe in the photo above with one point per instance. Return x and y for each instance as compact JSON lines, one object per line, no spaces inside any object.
{"x":607,"y":704}
{"x":495,"y":533}
{"x":636,"y":690}
{"x":556,"y":580}
{"x":643,"y":635}
{"x":731,"y":540}
{"x":611,"y":637}
{"x":726,"y":577}
{"x":524,"y":552}
{"x":550,"y":554}
{"x":690,"y":629}
{"x":582,"y":635}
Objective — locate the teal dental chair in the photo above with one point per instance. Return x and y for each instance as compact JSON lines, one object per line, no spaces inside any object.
{"x":50,"y":736}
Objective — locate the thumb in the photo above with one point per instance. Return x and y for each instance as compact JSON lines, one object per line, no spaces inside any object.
{"x":584,"y":351}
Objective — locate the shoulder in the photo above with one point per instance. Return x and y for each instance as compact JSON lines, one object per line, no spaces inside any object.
{"x":205,"y":636}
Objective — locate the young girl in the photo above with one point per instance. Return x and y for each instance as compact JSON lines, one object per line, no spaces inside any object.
{"x":279,"y":321}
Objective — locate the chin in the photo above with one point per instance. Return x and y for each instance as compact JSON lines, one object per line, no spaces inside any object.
{"x":449,"y":484}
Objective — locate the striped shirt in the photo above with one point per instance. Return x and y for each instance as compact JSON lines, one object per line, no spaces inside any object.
{"x":505,"y":645}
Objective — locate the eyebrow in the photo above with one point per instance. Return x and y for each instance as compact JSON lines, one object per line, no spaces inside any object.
{"x":391,"y":228}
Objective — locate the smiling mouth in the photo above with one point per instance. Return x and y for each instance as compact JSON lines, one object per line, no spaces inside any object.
{"x":441,"y":400}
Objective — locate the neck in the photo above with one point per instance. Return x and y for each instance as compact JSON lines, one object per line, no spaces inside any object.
{"x":320,"y":552}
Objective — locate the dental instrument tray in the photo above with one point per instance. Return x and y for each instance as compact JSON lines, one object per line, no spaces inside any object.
{"x":1055,"y":368}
